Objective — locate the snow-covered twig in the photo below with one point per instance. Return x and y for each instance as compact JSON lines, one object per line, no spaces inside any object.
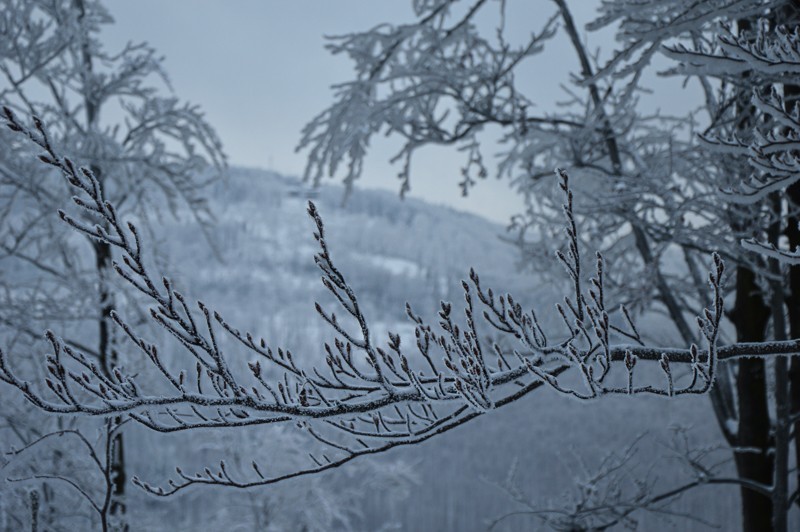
{"x":367,"y":398}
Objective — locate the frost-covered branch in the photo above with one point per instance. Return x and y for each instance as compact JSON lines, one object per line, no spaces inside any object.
{"x":368,"y":396}
{"x":410,"y":79}
{"x":769,"y":57}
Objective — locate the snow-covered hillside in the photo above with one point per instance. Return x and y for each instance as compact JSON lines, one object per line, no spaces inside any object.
{"x":390,"y":250}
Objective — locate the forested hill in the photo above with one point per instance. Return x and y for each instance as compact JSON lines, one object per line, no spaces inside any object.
{"x":390,"y":250}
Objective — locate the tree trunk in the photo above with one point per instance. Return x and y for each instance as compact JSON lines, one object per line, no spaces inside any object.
{"x":34,"y":497}
{"x":792,"y":95}
{"x":102,"y":251}
{"x":750,"y":317}
{"x":108,"y":360}
{"x":780,"y":484}
{"x":793,"y":313}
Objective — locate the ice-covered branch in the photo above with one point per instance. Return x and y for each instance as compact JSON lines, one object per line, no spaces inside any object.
{"x":368,"y":397}
{"x":410,"y":80}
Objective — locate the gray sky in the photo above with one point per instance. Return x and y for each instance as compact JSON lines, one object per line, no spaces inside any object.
{"x":259,"y":70}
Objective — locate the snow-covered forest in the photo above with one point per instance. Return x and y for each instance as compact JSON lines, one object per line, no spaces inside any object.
{"x":188,"y":342}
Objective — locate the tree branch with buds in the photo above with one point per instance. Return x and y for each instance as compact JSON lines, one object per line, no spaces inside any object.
{"x":367,"y":397}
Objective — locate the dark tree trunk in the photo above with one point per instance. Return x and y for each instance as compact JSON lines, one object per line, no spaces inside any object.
{"x":34,"y":498}
{"x":750,"y":315}
{"x":781,"y":438}
{"x":792,"y":96}
{"x":105,"y":347}
{"x":793,"y":308}
{"x":108,"y":360}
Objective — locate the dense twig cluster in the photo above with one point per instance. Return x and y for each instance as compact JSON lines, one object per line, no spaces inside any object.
{"x":771,"y":55}
{"x":409,"y":79}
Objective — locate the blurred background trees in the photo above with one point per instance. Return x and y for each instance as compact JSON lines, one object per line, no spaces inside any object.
{"x":152,"y":154}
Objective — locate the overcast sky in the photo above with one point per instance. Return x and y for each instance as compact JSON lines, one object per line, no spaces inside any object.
{"x":260,"y":71}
